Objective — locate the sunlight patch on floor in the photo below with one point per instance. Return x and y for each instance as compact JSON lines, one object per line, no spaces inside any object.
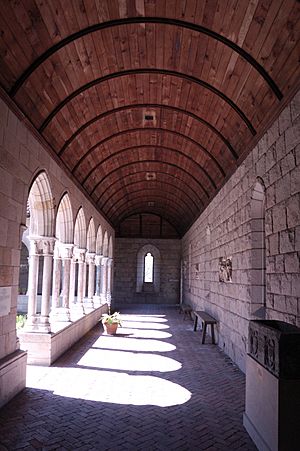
{"x":108,"y":386}
{"x":129,"y":344}
{"x":128,"y":361}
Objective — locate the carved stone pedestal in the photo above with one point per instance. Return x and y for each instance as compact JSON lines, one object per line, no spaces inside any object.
{"x":273,"y":386}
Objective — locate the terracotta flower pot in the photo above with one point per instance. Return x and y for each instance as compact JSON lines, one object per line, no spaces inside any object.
{"x":111,"y":329}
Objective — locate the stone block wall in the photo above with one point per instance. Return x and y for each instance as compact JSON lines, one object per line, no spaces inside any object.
{"x":125,"y":271}
{"x":22,"y":157}
{"x":227,"y":228}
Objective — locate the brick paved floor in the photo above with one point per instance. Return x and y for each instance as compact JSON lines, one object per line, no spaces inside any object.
{"x":151,"y":387}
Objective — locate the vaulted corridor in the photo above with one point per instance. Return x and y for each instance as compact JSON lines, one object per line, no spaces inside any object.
{"x":153,"y":386}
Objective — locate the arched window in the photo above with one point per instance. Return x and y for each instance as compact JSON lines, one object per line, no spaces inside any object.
{"x":148,"y":265}
{"x":148,"y":269}
{"x":258,"y":263}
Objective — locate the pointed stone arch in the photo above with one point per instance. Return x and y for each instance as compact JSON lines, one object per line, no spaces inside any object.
{"x":91,"y":236}
{"x":80,"y":230}
{"x":41,"y":207}
{"x":110,"y":247}
{"x":99,"y":240}
{"x":64,"y":225}
{"x":105,"y":244}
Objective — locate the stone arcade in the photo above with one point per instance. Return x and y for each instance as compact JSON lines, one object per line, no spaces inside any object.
{"x":137,"y":131}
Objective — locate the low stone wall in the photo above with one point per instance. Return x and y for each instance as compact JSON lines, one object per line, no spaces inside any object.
{"x":44,"y":349}
{"x":12,"y":375}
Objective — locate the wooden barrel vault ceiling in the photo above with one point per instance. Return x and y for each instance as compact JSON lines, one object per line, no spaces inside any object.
{"x":151,"y":105}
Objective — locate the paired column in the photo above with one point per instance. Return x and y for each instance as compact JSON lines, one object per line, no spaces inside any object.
{"x":109,"y":280}
{"x":40,"y":247}
{"x":90,"y":261}
{"x":97,"y":301}
{"x":103,"y":280}
{"x":78,"y":307}
{"x":60,"y":311}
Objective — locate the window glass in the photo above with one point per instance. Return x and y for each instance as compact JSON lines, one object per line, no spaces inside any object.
{"x":148,"y":268}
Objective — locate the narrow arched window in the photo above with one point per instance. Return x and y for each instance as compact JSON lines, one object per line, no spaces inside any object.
{"x":148,"y":275}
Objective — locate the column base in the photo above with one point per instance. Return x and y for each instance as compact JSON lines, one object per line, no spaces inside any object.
{"x":97,"y":301}
{"x":88,"y":305}
{"x":77,"y":311}
{"x":61,"y":315}
{"x":38,"y":323}
{"x":103,"y":299}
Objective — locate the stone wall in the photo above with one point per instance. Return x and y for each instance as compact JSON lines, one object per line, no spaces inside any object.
{"x":125,"y":271}
{"x":229,"y":228}
{"x":22,"y":157}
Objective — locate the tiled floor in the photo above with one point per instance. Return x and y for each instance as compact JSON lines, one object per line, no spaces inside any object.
{"x":153,"y":386}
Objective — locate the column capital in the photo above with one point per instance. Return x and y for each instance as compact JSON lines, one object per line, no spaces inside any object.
{"x":66,"y":251}
{"x":90,"y":257}
{"x":104,"y":261}
{"x":98,"y":259}
{"x":41,"y":245}
{"x":79,"y":254}
{"x":110,"y":261}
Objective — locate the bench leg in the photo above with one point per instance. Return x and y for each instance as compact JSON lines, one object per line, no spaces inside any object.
{"x":212,"y":334}
{"x":195,"y":323}
{"x":204,"y":333}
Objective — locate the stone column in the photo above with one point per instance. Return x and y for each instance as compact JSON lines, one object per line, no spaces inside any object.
{"x":109,"y":280}
{"x":77,"y":308}
{"x":66,"y":253}
{"x":32,"y":319}
{"x":90,"y":260}
{"x":72,"y":282}
{"x":98,"y":280}
{"x":57,"y":271}
{"x":103,"y":284}
{"x":47,"y":246}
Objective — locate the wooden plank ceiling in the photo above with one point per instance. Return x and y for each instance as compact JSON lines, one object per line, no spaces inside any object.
{"x":150,"y":104}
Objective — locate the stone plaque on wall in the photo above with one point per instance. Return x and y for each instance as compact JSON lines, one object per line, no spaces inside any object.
{"x":5,"y":300}
{"x":225,"y":269}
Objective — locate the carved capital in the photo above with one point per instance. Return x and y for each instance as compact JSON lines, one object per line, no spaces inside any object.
{"x":90,"y":257}
{"x":66,"y":251}
{"x":98,"y":259}
{"x":79,"y":254}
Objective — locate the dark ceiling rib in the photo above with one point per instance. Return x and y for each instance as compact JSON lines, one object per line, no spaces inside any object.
{"x":150,"y":105}
{"x":147,"y":191}
{"x":133,"y":130}
{"x":139,"y":205}
{"x":146,"y":213}
{"x":146,"y":170}
{"x":161,"y":199}
{"x":130,"y":148}
{"x":158,"y":211}
{"x":140,"y":20}
{"x":124,"y":186}
{"x":173,"y":73}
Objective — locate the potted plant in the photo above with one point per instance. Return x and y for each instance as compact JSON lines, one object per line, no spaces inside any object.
{"x":111,"y":322}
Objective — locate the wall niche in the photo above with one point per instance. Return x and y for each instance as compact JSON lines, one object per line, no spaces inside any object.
{"x":225,"y":269}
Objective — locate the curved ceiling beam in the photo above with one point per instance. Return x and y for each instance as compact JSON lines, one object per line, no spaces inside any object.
{"x":123,"y":73}
{"x":160,"y":161}
{"x":147,"y":191}
{"x":133,"y":130}
{"x":143,"y":20}
{"x":154,"y":214}
{"x":172,"y":176}
{"x":150,"y":105}
{"x":146,"y":170}
{"x":131,"y":183}
{"x":138,"y":202}
{"x":149,"y":146}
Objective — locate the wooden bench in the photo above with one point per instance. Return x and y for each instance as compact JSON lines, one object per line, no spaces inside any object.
{"x":186,"y":310}
{"x":206,"y":320}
